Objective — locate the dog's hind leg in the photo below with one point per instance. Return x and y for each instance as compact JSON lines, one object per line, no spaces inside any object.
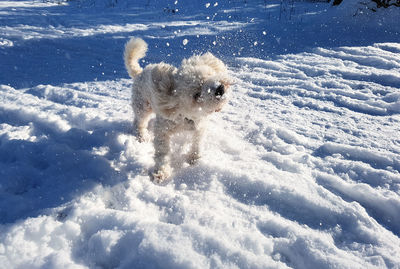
{"x":163,"y":130}
{"x":142,"y":111}
{"x":140,"y":125}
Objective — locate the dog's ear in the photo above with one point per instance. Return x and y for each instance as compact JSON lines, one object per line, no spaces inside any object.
{"x":163,"y":78}
{"x":213,"y":64}
{"x":216,"y":64}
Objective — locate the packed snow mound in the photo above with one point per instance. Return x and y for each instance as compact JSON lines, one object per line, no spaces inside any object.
{"x":300,"y":170}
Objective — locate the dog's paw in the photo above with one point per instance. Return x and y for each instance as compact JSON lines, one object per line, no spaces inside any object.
{"x":193,"y":158}
{"x":143,"y":137}
{"x":161,"y":174}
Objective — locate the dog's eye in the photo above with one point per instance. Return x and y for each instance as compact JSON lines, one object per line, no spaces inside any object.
{"x":196,"y":95}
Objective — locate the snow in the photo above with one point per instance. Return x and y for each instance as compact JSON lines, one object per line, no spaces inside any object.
{"x":300,"y":170}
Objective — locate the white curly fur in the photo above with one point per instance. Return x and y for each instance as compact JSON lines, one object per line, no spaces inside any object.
{"x":135,"y":49}
{"x":181,"y":98}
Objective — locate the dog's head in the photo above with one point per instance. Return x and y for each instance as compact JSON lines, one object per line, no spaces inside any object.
{"x":202,"y":84}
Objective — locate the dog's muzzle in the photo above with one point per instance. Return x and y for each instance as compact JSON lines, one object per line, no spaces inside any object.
{"x":220,"y":91}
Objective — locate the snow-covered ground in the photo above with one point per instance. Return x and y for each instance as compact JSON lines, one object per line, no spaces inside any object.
{"x":300,"y":170}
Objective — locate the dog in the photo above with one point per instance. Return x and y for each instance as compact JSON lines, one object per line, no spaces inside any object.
{"x":181,"y":99}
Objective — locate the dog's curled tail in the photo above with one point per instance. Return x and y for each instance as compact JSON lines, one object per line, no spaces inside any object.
{"x":135,"y":49}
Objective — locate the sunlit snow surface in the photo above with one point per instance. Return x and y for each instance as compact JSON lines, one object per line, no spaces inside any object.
{"x":300,"y":170}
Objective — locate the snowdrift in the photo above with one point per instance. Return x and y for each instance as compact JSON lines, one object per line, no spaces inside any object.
{"x":300,"y":170}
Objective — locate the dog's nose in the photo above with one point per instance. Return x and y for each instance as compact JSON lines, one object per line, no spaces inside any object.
{"x":220,"y":90}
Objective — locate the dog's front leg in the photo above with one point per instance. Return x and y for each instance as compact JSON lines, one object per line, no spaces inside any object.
{"x":162,"y":134}
{"x":194,"y":153}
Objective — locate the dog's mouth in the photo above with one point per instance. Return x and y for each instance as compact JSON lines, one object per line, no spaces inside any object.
{"x":197,"y":97}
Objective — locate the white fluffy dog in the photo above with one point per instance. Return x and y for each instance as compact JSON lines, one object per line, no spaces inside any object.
{"x":181,"y":98}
